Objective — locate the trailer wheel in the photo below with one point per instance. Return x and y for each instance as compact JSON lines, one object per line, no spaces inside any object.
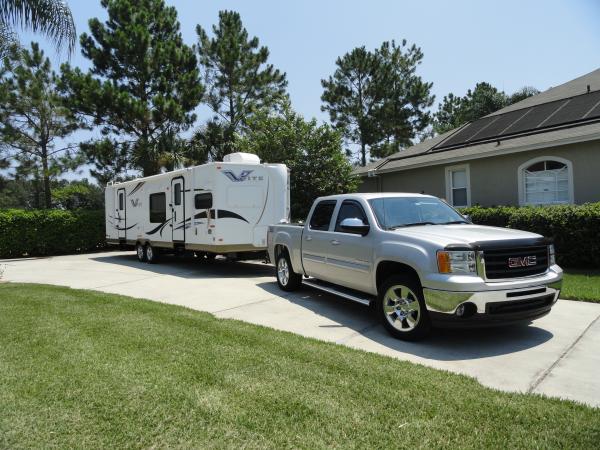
{"x":140,"y":251}
{"x":401,"y":308}
{"x":287,"y":279}
{"x":152,"y":254}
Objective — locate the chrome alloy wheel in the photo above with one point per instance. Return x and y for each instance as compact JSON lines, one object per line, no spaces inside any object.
{"x":401,"y":308}
{"x":283,"y":271}
{"x":149,"y":253}
{"x":140,"y":252}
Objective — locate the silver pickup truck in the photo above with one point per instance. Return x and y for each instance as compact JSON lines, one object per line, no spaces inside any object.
{"x":418,"y":261}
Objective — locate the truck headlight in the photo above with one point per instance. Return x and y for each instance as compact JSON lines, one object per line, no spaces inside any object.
{"x":551,"y":255}
{"x":456,"y":261}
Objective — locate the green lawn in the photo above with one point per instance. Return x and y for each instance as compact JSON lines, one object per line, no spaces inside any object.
{"x":581,"y":285}
{"x":91,"y":370}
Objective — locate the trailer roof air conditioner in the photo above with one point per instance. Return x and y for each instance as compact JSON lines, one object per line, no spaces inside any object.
{"x":241,"y":158}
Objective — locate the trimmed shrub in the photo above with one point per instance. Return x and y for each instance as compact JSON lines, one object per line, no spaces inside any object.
{"x":575,"y":229}
{"x":50,"y":232}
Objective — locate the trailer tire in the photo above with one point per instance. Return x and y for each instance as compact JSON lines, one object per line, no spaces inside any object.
{"x":140,"y":251}
{"x":287,"y":279}
{"x":152,"y":254}
{"x":401,"y":308}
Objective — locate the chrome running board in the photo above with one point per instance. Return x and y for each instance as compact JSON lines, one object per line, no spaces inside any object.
{"x":349,"y":294}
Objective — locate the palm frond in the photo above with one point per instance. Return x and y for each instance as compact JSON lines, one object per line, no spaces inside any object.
{"x":50,"y":17}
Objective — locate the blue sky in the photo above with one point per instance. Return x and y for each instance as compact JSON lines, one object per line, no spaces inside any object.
{"x":510,"y":44}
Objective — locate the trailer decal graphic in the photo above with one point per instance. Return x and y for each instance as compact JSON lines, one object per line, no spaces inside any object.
{"x":243,"y":176}
{"x":223,"y":213}
{"x":136,"y":188}
{"x":123,"y":229}
{"x":160,"y":227}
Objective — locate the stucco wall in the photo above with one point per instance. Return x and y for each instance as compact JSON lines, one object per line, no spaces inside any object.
{"x":494,"y":180}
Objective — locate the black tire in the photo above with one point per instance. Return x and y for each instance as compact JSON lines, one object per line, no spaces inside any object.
{"x":152,"y":254}
{"x":401,"y":308}
{"x":140,"y":252}
{"x":287,"y":279}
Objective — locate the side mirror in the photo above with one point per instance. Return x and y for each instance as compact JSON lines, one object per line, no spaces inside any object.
{"x":355,"y":226}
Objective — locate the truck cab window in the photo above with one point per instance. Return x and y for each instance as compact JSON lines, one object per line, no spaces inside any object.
{"x":321,"y":216}
{"x":158,"y":208}
{"x":177,"y":194}
{"x":350,"y":210}
{"x":203,"y":201}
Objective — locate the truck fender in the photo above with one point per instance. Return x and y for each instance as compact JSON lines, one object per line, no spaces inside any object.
{"x":284,"y":239}
{"x":408,"y":254}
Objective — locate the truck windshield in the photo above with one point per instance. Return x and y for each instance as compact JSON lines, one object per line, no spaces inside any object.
{"x":396,"y":212}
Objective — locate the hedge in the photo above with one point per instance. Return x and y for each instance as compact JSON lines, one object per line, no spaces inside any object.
{"x":50,"y":232}
{"x":575,"y":229}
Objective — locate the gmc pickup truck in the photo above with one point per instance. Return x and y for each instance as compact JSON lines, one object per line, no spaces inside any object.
{"x":418,"y":261}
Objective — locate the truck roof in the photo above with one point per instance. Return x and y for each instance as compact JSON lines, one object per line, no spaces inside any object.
{"x":371,"y":195}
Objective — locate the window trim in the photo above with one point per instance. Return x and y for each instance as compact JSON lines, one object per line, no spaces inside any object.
{"x":337,"y":215}
{"x":150,"y":207}
{"x":521,"y":179}
{"x":449,"y":187}
{"x":333,"y":214}
{"x":200,"y":194}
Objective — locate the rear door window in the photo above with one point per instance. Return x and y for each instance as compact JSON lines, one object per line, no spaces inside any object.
{"x":321,"y":216}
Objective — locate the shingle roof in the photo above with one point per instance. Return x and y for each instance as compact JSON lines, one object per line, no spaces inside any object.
{"x":423,"y":153}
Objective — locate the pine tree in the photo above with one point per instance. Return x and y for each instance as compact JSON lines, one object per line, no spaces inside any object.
{"x":238,"y":78}
{"x":35,"y":121}
{"x":142,"y":88}
{"x":403,"y":113}
{"x":352,"y":96}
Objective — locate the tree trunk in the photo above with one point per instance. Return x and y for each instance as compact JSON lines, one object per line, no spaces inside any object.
{"x":46,"y":178}
{"x":363,"y":154}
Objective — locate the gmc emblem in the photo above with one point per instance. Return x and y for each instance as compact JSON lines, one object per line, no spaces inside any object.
{"x":524,"y":261}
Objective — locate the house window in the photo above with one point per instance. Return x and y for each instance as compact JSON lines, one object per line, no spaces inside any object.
{"x":458,"y":189}
{"x":546,"y":181}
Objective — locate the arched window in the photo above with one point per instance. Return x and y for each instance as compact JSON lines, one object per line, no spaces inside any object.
{"x":546,"y":181}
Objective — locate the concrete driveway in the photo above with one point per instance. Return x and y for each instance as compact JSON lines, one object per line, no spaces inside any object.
{"x":558,"y":355}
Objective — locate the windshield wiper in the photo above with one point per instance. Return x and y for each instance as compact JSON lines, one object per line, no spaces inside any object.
{"x":411,"y":225}
{"x":453,"y":222}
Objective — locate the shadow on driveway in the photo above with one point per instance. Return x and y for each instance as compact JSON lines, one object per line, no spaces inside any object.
{"x":187,"y":267}
{"x":442,"y":345}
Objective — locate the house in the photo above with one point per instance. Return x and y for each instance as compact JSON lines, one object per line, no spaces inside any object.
{"x":543,"y":150}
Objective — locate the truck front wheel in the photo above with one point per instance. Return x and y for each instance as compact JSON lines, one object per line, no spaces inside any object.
{"x":287,"y":279}
{"x":401,"y":308}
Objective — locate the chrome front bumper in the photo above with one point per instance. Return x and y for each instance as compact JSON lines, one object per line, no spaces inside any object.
{"x":446,"y":302}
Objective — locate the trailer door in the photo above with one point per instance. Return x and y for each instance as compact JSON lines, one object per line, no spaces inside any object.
{"x":121,"y":214}
{"x":178,"y":209}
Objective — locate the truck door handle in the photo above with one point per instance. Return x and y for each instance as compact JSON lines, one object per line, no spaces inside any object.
{"x":335,"y":242}
{"x":308,"y":238}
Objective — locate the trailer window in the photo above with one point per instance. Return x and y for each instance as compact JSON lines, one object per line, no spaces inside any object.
{"x":158,"y":208}
{"x":203,"y":201}
{"x":177,"y":194}
{"x":322,"y":216}
{"x":121,"y":201}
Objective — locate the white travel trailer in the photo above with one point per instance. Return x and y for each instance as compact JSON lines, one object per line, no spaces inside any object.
{"x":216,"y":208}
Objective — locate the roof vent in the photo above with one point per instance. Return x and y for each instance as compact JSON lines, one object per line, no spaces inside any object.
{"x":241,"y":158}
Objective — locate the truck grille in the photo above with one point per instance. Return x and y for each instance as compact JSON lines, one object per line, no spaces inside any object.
{"x":515,"y":262}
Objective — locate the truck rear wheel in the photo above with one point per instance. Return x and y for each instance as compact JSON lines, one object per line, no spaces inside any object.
{"x":401,"y":308}
{"x":287,"y":279}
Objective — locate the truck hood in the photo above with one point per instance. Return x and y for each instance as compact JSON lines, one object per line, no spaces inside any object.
{"x":463,"y":233}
